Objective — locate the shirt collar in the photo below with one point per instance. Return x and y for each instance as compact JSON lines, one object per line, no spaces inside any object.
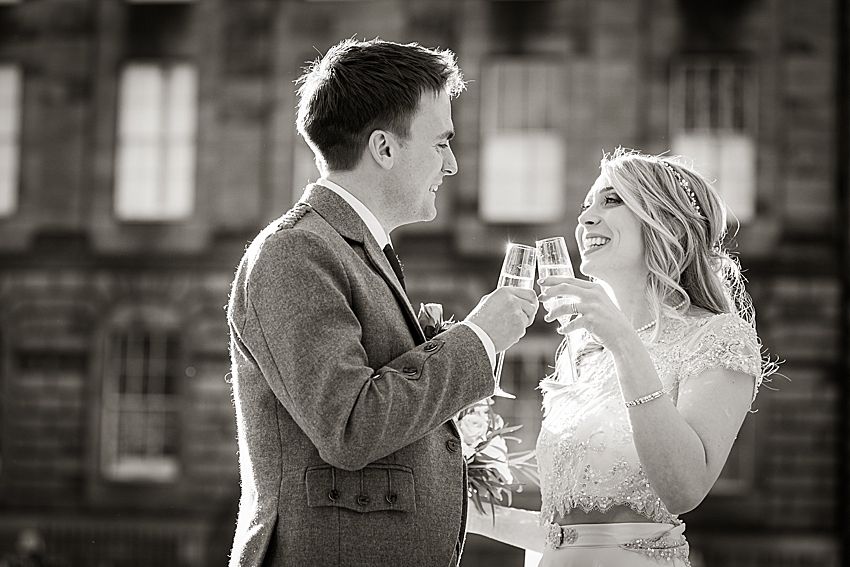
{"x":381,"y":236}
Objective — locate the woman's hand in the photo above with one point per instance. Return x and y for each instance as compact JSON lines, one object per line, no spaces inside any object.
{"x":594,"y":307}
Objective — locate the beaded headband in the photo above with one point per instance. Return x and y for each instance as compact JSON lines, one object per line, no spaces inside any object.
{"x":684,"y":184}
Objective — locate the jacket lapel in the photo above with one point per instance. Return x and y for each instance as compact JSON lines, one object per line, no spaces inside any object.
{"x":350,"y":226}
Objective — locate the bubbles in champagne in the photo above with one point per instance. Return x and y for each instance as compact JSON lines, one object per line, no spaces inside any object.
{"x":555,"y":270}
{"x":507,"y":280}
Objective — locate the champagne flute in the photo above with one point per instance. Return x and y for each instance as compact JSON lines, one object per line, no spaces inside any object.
{"x":553,"y":259}
{"x":517,"y":271}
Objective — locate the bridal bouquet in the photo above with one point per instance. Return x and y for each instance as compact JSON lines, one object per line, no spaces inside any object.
{"x":492,"y":469}
{"x":484,"y":436}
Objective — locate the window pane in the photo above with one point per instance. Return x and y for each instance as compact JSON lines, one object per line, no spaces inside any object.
{"x":10,"y":97}
{"x":9,"y":162}
{"x":730,"y":161}
{"x":523,"y":152}
{"x":736,"y":174}
{"x":156,"y":154}
{"x":140,"y":434}
{"x":712,"y":121}
{"x":141,"y":103}
{"x":180,"y":175}
{"x":137,"y":178}
{"x":182,"y":102}
{"x":522,"y":177}
{"x":10,"y":124}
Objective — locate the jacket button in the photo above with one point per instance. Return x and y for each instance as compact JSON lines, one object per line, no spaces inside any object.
{"x":430,"y":346}
{"x":452,"y":445}
{"x":411,"y":370}
{"x":392,"y":497}
{"x":333,"y":495}
{"x":363,"y":500}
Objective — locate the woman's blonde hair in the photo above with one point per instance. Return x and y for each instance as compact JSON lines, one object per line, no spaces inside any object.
{"x":684,"y":226}
{"x":683,"y":221}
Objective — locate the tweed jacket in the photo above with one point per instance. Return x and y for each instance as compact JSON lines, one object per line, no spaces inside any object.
{"x":347,"y":453}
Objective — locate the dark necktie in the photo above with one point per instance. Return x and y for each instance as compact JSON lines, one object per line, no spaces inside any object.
{"x":394,"y":263}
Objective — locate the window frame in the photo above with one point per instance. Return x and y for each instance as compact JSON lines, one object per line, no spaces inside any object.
{"x":164,"y":468}
{"x":525,"y":122}
{"x":125,"y":207}
{"x":15,"y":140}
{"x":708,"y":118}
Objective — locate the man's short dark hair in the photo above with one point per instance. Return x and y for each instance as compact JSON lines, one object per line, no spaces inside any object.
{"x":362,"y":86}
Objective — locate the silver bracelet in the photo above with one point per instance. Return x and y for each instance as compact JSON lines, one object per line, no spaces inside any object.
{"x":647,"y":398}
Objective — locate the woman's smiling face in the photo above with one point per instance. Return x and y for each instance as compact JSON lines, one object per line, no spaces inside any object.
{"x":610,"y":236}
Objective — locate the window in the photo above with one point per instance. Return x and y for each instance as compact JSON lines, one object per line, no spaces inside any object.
{"x":523,"y":153}
{"x":713,"y":121}
{"x":140,"y":412}
{"x":10,"y":137}
{"x":156,"y":153}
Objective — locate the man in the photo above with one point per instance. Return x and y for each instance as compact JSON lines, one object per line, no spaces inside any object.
{"x":347,"y":452}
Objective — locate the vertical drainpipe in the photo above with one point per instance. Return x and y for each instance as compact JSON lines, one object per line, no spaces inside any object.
{"x":842,"y":171}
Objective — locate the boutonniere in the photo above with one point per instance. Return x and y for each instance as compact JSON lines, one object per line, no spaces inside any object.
{"x":431,"y":320}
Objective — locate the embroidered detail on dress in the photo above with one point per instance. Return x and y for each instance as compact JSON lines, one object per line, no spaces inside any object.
{"x":663,"y":549}
{"x":586,"y":454}
{"x":558,"y":535}
{"x":727,"y":342}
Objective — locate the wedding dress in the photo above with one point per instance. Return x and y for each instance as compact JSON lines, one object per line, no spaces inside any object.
{"x":587,"y":456}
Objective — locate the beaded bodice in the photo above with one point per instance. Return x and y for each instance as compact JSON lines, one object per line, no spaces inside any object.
{"x":586,"y":453}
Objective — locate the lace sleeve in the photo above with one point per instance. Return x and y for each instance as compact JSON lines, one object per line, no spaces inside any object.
{"x":724,"y":341}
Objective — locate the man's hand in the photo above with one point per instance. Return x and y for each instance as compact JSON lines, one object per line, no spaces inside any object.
{"x":505,"y":314}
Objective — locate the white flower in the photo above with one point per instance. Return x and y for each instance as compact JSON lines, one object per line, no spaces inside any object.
{"x":473,"y":430}
{"x":430,"y":319}
{"x":497,"y":450}
{"x":433,"y":311}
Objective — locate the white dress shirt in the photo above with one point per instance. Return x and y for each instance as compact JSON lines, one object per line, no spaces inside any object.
{"x":382,"y":237}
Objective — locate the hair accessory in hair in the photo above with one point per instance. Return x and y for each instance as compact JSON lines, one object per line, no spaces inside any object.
{"x":684,"y":184}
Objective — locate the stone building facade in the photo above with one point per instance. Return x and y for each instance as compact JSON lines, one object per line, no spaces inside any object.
{"x":122,"y":220}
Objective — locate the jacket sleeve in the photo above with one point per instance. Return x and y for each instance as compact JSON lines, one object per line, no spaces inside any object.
{"x":302,"y":330}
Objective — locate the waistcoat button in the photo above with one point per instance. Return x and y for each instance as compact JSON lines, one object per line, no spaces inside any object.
{"x":452,"y":445}
{"x":363,"y":500}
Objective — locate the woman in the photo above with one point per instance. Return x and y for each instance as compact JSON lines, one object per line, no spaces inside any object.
{"x":669,"y":368}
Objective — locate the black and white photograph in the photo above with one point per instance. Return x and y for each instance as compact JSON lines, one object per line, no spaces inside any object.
{"x":424,"y":283}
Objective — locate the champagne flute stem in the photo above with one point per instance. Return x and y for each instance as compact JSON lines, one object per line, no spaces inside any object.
{"x":571,"y":360}
{"x":500,"y":361}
